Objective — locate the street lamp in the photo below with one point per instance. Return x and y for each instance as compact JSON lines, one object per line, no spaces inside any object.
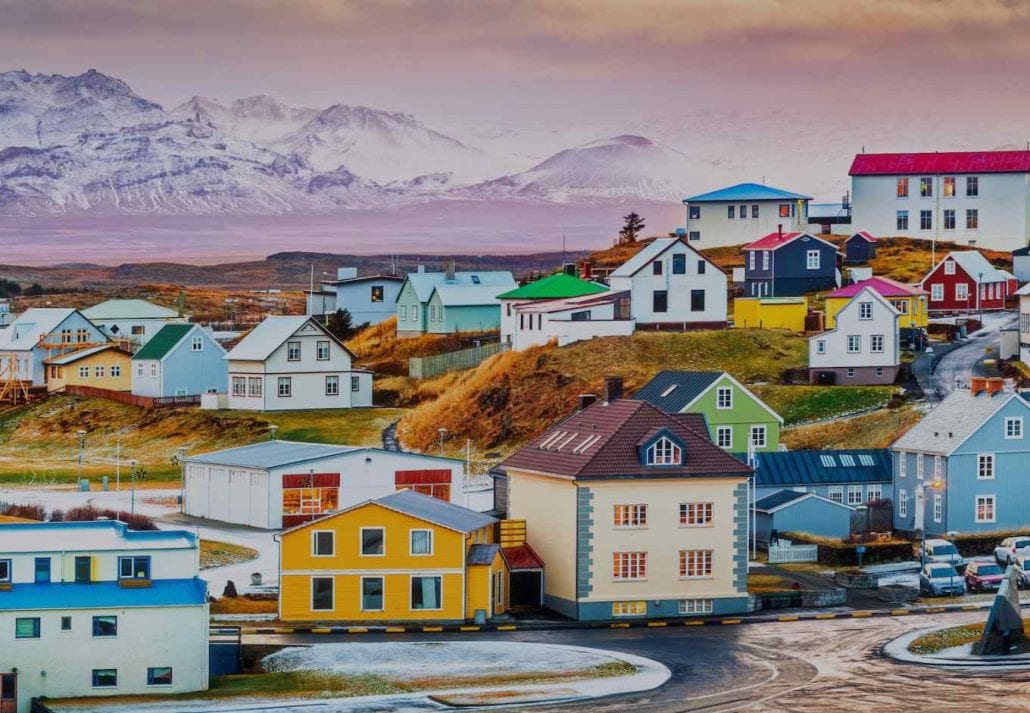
{"x":136,"y":472}
{"x":442,"y":433}
{"x":979,"y":305}
{"x":82,"y":447}
{"x":920,"y":493}
{"x":179,"y":459}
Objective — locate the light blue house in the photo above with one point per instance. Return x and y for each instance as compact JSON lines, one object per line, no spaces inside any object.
{"x":180,"y":360}
{"x":461,"y":301}
{"x":795,"y":511}
{"x":851,"y":477}
{"x":41,"y":333}
{"x":370,"y":299}
{"x":963,"y":468}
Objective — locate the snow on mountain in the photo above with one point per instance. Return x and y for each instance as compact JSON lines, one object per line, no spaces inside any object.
{"x":259,"y":118}
{"x":618,"y":168}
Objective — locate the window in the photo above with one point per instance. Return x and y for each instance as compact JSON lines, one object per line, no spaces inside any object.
{"x":66,"y":336}
{"x":1013,"y":427}
{"x":695,"y":212}
{"x":629,"y":565}
{"x":926,"y":187}
{"x":724,"y":437}
{"x":136,"y":330}
{"x":949,"y":219}
{"x":421,"y":542}
{"x":902,"y":220}
{"x":925,"y":219}
{"x":854,"y":343}
{"x":5,"y":571}
{"x":751,"y":255}
{"x":373,"y":541}
{"x":985,"y":466}
{"x":874,"y":492}
{"x":377,"y":293}
{"x":938,"y":470}
{"x":938,"y":507}
{"x":985,"y":508}
{"x":855,"y":495}
{"x":425,"y":593}
{"x":254,"y":386}
{"x":851,"y":372}
{"x":637,"y":608}
{"x":900,"y":305}
{"x":949,"y":186}
{"x":197,"y":344}
{"x":82,"y":335}
{"x":864,"y":459}
{"x":403,"y":311}
{"x":656,"y":267}
{"x":695,"y":606}
{"x":724,"y":398}
{"x":754,"y":211}
{"x":104,"y":626}
{"x":83,"y":372}
{"x":820,"y":346}
{"x":285,"y":387}
{"x":972,"y":186}
{"x":765,"y":259}
{"x":139,"y":368}
{"x":812,"y":260}
{"x":743,"y":211}
{"x":332,"y":385}
{"x":66,"y":623}
{"x":355,"y":384}
{"x":695,"y":563}
{"x":730,"y":211}
{"x":630,"y":516}
{"x":848,"y":460}
{"x":937,"y":291}
{"x":876,"y":342}
{"x":837,"y":493}
{"x":664,"y":452}
{"x":961,"y":291}
{"x":239,"y":386}
{"x":159,"y":676}
{"x":784,"y":210}
{"x":83,"y":569}
{"x":134,"y":568}
{"x":902,"y":463}
{"x":697,"y":300}
{"x":679,"y":264}
{"x":919,"y":466}
{"x":323,"y":543}
{"x":701,"y":266}
{"x":972,"y":219}
{"x":105,"y":678}
{"x":292,"y":351}
{"x":321,"y":594}
{"x":660,"y":301}
{"x":26,"y":627}
{"x":696,"y":514}
{"x":828,"y":461}
{"x":372,"y":593}
{"x":694,"y":235}
{"x":902,"y":188}
{"x":758,"y":436}
{"x":475,"y":279}
{"x":865,"y":310}
{"x":322,"y":351}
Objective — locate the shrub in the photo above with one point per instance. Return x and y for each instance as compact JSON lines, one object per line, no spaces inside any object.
{"x":88,"y":513}
{"x":27,"y":512}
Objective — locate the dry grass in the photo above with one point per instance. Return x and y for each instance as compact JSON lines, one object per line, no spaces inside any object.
{"x":757,"y":583}
{"x":937,"y":641}
{"x":243,"y":605}
{"x":875,"y":430}
{"x":908,"y":260}
{"x":217,"y":554}
{"x":378,"y":348}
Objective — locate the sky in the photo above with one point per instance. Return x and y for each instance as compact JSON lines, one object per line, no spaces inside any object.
{"x":548,"y":61}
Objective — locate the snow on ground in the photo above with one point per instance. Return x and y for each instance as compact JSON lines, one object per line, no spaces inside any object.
{"x":432,"y":659}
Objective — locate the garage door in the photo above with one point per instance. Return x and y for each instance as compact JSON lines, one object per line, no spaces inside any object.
{"x":218,"y":491}
{"x":259,"y":501}
{"x":239,"y":496}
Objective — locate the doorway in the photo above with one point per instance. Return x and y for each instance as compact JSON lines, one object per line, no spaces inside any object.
{"x":8,"y":692}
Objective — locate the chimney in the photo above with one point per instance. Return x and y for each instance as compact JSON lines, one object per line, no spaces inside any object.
{"x":421,"y":269}
{"x":779,"y":229}
{"x":977,"y":384}
{"x":346,"y":273}
{"x":587,"y":270}
{"x":612,"y":388}
{"x":450,"y":271}
{"x":995,"y":385}
{"x":586,"y":400}
{"x":569,"y":268}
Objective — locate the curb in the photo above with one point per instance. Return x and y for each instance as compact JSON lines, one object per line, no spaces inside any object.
{"x":897,"y":650}
{"x":636,"y":623}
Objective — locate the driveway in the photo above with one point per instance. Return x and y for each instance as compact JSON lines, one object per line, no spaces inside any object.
{"x":961,"y":363}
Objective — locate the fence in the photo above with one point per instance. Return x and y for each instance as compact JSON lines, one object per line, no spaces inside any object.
{"x":431,"y":366}
{"x":781,"y":554}
{"x":132,"y":399}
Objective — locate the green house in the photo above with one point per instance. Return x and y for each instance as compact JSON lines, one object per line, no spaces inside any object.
{"x":447,"y":302}
{"x":735,"y":416}
{"x":558,"y":286}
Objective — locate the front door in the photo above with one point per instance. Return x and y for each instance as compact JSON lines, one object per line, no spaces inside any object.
{"x":8,"y":692}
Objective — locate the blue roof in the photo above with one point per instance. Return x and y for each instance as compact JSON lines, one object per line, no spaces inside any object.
{"x":103,"y":595}
{"x":830,"y":467}
{"x":745,"y":192}
{"x":671,"y":390}
{"x":482,"y":554}
{"x":778,"y":499}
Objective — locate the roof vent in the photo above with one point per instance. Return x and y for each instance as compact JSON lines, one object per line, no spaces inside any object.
{"x":612,"y":388}
{"x":586,"y":400}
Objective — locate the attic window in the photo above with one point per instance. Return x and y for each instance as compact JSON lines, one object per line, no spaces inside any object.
{"x":475,"y":279}
{"x":847,"y":460}
{"x":865,"y":460}
{"x":828,"y":461}
{"x":664,"y":452}
{"x":669,"y":390}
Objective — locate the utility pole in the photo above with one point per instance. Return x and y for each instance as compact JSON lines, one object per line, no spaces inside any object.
{"x":82,"y":447}
{"x":118,"y":464}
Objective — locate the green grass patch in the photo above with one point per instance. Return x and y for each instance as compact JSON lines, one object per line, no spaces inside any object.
{"x":798,"y":404}
{"x":937,"y":641}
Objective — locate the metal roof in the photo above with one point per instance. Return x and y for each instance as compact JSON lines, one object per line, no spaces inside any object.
{"x":441,"y":512}
{"x":94,"y":536}
{"x":482,"y":554}
{"x":746,"y":192}
{"x":31,"y":325}
{"x":975,"y":265}
{"x":775,"y":241}
{"x":103,"y":595}
{"x":899,"y":164}
{"x":785,"y":498}
{"x":570,"y":303}
{"x":955,"y":419}
{"x":75,"y":356}
{"x":128,"y":309}
{"x":452,"y":295}
{"x":883,"y":286}
{"x":862,"y":235}
{"x":272,"y":454}
{"x":672,"y":390}
{"x":259,"y":343}
{"x":424,"y":282}
{"x":556,"y":286}
{"x":166,"y":339}
{"x":818,"y":467}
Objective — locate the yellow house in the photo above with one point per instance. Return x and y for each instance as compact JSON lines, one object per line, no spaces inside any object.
{"x":770,"y":313}
{"x":908,"y":300}
{"x":403,"y":557}
{"x":103,"y":367}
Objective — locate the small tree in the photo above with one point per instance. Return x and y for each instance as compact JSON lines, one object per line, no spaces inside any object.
{"x":341,"y":325}
{"x":631,"y":228}
{"x":35,"y":289}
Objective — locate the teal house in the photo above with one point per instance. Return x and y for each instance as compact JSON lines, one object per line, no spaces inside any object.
{"x":736,"y":417}
{"x":449,"y":302}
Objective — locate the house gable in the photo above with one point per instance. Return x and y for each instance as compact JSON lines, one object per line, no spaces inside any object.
{"x":740,"y":391}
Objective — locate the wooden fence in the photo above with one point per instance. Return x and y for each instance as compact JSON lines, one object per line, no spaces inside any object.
{"x":793,"y":553}
{"x":432,"y":366}
{"x":132,"y":399}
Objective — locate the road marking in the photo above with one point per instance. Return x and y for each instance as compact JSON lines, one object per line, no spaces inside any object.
{"x":432,"y":628}
{"x":282,"y":631}
{"x":250,"y":630}
{"x":357,"y":629}
{"x":789,"y":618}
{"x":395,"y":630}
{"x":935,"y":610}
{"x":730,"y":621}
{"x":469,"y":628}
{"x":860,"y":614}
{"x":970,"y":607}
{"x":321,"y":630}
{"x":694,"y":622}
{"x":657,"y":623}
{"x":900,"y":612}
{"x":507,"y":627}
{"x":825,"y":616}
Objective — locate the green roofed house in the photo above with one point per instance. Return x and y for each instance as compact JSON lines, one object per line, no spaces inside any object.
{"x":133,"y":320}
{"x":180,"y":360}
{"x":735,"y":416}
{"x":559,"y":286}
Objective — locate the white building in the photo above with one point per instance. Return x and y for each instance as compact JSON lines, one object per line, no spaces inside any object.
{"x":864,"y":346}
{"x":738,"y":214}
{"x":369,"y":298}
{"x":969,"y":197}
{"x":94,"y":609}
{"x":39,"y":334}
{"x":289,"y":363}
{"x":1024,"y":323}
{"x":671,"y":285}
{"x":135,"y":321}
{"x":569,"y":320}
{"x":276,"y":484}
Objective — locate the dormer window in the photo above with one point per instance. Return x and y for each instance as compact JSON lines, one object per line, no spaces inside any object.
{"x":664,"y":452}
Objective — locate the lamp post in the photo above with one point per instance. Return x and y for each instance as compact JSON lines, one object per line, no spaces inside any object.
{"x":442,"y":433}
{"x":136,"y":472}
{"x":979,"y":304}
{"x":82,"y":447}
{"x":920,"y":493}
{"x":179,"y":459}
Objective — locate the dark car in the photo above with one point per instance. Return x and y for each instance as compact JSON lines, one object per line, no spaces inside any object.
{"x":983,"y":576}
{"x":938,"y":579}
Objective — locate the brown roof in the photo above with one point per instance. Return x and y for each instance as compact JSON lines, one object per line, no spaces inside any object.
{"x":603,"y":441}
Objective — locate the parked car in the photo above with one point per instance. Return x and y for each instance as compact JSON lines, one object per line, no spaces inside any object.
{"x":937,"y":580}
{"x":983,"y":576}
{"x":944,"y":551}
{"x":1006,"y":552}
{"x":1022,"y":565}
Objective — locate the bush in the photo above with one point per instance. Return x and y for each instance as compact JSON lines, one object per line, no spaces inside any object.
{"x":27,"y":512}
{"x":89,"y":513}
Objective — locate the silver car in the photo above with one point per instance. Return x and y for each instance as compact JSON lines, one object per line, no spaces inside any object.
{"x":1011,"y":548}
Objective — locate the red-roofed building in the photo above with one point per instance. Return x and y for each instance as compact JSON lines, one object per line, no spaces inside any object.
{"x":969,"y":197}
{"x":789,"y":265}
{"x":908,"y":300}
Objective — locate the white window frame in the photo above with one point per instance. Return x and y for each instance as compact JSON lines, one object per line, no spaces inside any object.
{"x":197,"y":344}
{"x":332,"y":385}
{"x":936,"y":292}
{"x":695,"y":607}
{"x":835,"y":493}
{"x":813,"y":260}
{"x":855,"y":495}
{"x":361,"y":592}
{"x":873,"y":491}
{"x":286,"y":381}
{"x":629,"y":516}
{"x":854,"y":343}
{"x":949,"y":267}
{"x":361,"y":541}
{"x":865,"y":310}
{"x":820,"y":346}
{"x":759,"y":430}
{"x":311,"y":593}
{"x":986,"y":463}
{"x":1013,"y":428}
{"x":697,"y":514}
{"x":629,"y":608}
{"x":920,"y":466}
{"x":724,"y":404}
{"x":876,"y":343}
{"x":938,"y":507}
{"x":902,"y":503}
{"x":411,"y":542}
{"x":630,"y":561}
{"x":314,"y":542}
{"x":663,"y":452}
{"x":961,"y":291}
{"x":902,"y":464}
{"x":724,"y":437}
{"x":987,"y":498}
{"x":706,"y":562}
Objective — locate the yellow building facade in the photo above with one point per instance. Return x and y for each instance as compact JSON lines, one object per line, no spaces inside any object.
{"x":911,"y":302}
{"x":770,"y":313}
{"x":405,"y":557}
{"x":103,"y":367}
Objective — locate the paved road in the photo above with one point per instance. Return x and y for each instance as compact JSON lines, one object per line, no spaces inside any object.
{"x":958,"y":365}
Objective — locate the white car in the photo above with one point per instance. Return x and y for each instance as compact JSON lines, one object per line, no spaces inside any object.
{"x":1022,"y":563}
{"x":944,"y":552}
{"x":1011,"y":548}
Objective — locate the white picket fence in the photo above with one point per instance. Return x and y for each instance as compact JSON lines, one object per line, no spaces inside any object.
{"x":784,"y":554}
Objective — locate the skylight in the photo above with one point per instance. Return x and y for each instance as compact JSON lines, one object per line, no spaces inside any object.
{"x":669,"y":390}
{"x":475,"y":279}
{"x":865,"y":459}
{"x":566,"y":442}
{"x":828,"y":461}
{"x":847,"y":460}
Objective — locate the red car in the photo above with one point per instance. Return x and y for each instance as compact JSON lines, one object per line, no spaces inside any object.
{"x":983,"y":576}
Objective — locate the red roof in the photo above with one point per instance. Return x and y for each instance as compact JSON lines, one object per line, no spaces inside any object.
{"x":899,"y":164}
{"x":521,"y":557}
{"x":772,"y":241}
{"x":884,"y":286}
{"x":864,"y":235}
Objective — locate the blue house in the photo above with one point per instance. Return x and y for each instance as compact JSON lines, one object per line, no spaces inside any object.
{"x":850,"y":477}
{"x":795,"y":511}
{"x":790,"y":264}
{"x":963,"y":468}
{"x":370,"y":299}
{"x":180,"y":360}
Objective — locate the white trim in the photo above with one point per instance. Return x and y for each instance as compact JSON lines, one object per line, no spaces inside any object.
{"x":432,"y":541}
{"x":994,"y":507}
{"x":311,"y":592}
{"x":314,"y":540}
{"x":361,"y":540}
{"x":337,"y":572}
{"x":422,"y":576}
{"x":804,"y":497}
{"x":361,"y":593}
{"x":727,"y":375}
